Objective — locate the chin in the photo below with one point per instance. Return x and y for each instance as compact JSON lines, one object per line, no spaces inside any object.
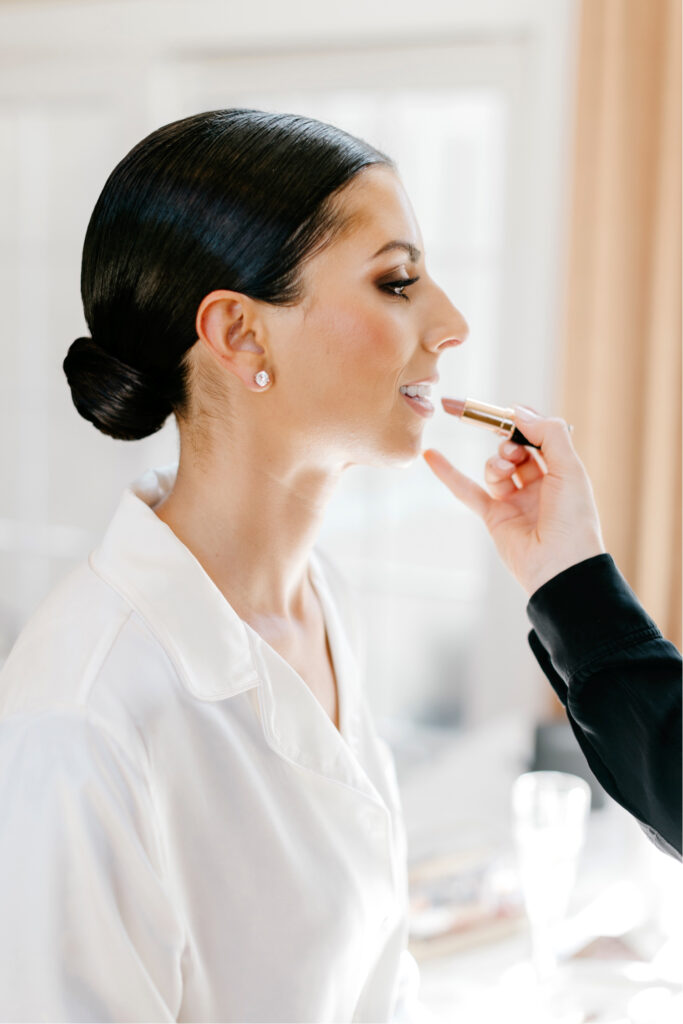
{"x":395,"y":458}
{"x":405,"y":461}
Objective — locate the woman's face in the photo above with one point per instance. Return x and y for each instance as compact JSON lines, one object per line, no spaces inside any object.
{"x":361,"y":331}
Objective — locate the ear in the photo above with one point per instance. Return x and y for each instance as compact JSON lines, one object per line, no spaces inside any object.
{"x":229,"y":324}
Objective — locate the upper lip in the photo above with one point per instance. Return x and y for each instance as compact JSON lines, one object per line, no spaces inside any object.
{"x":434,"y":379}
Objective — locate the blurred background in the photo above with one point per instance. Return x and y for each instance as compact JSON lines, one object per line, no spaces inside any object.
{"x":539,"y":141}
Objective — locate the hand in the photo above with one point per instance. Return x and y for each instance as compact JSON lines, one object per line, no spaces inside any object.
{"x":546,"y":521}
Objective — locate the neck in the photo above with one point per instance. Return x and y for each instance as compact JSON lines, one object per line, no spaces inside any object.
{"x":250,"y":516}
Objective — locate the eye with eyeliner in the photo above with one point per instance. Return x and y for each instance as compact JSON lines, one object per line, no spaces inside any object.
{"x":401,"y":282}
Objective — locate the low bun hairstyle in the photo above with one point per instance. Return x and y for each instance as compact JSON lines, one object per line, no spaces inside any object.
{"x":235,"y":199}
{"x":121,"y":401}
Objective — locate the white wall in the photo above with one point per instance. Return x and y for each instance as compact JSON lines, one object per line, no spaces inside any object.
{"x":473,"y":101}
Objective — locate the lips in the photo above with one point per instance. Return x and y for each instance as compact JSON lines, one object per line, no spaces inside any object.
{"x":422,"y":406}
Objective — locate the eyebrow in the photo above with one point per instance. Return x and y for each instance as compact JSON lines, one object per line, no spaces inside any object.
{"x":412,"y":251}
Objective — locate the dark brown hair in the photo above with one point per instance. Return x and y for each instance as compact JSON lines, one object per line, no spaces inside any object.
{"x":235,"y":199}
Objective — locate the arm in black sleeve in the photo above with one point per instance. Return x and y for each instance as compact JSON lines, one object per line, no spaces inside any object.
{"x":620,"y":682}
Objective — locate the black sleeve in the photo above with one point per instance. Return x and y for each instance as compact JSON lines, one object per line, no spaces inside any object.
{"x":620,"y":682}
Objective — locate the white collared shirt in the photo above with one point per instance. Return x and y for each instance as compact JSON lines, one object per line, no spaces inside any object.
{"x":184,"y":834}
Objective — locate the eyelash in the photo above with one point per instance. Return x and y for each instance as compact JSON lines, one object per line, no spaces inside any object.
{"x":402,"y":282}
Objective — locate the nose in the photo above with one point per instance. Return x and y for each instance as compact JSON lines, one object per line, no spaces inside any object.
{"x":448,"y":326}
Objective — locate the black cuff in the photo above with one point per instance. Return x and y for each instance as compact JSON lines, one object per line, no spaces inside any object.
{"x":543,"y":658}
{"x":585,"y":612}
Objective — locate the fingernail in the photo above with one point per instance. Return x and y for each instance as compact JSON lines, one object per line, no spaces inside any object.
{"x":522,"y":413}
{"x":509,"y":448}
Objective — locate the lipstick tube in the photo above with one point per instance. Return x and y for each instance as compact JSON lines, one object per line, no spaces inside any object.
{"x":493,"y":417}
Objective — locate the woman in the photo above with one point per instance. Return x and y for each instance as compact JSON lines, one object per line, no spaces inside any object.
{"x":199,"y":820}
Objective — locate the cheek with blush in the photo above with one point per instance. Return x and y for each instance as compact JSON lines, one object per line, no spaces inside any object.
{"x":360,"y":350}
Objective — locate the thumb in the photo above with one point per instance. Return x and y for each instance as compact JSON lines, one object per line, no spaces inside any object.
{"x":550,"y":434}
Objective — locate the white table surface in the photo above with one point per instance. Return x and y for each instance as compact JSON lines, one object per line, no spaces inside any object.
{"x":458,"y":791}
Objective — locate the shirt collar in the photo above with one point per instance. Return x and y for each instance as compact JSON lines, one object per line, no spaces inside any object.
{"x":210,"y":645}
{"x":142,"y":558}
{"x":215,"y":653}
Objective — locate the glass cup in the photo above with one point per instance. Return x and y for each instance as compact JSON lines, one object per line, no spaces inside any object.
{"x":550,"y":811}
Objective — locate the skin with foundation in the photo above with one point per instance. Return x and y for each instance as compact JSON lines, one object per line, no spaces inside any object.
{"x":258,"y":467}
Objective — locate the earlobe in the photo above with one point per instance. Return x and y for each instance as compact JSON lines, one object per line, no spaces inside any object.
{"x":224,"y":325}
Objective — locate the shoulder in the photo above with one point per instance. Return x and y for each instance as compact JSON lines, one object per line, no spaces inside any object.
{"x":61,"y":741}
{"x":84,"y":648}
{"x":69,"y":789}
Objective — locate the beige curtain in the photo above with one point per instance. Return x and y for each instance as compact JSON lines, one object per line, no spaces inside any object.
{"x":621,"y":362}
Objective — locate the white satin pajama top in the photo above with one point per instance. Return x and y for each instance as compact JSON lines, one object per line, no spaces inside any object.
{"x":184,"y":834}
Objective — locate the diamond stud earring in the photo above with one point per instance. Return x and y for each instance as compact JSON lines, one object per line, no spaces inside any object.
{"x":262,"y":378}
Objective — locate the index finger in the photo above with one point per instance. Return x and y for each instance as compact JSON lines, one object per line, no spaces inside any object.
{"x":465,"y":489}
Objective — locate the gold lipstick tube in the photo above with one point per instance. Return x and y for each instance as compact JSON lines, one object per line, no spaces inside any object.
{"x":495,"y":417}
